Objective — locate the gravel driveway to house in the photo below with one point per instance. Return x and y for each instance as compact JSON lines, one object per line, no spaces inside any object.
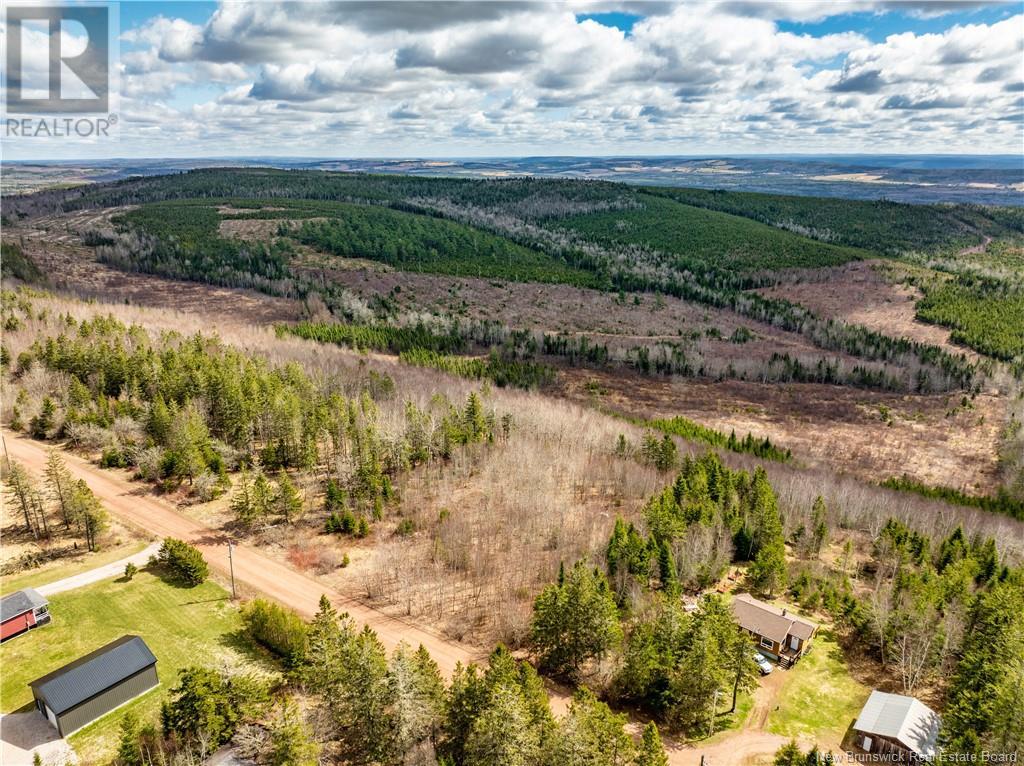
{"x":105,"y":572}
{"x":22,"y":735}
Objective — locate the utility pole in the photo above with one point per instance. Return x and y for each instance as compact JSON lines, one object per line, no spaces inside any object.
{"x":231,"y":564}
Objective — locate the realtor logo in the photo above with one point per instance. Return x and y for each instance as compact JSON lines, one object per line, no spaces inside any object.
{"x":74,"y":77}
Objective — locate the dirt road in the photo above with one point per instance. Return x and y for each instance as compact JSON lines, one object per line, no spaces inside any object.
{"x":135,"y":505}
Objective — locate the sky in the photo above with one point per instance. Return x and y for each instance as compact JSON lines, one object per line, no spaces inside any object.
{"x":594,"y":77}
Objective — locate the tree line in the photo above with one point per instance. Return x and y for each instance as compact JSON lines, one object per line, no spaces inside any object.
{"x":366,"y":706}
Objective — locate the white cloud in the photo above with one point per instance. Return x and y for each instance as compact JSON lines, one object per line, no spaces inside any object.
{"x":415,"y":78}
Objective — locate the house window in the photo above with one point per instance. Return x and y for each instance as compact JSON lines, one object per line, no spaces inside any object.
{"x":41,"y":611}
{"x":767,"y":643}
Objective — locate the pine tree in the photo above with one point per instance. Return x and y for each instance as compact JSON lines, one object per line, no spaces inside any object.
{"x":789,"y":755}
{"x":768,"y":572}
{"x":87,"y":512}
{"x":158,"y":421}
{"x":984,"y":709}
{"x":288,"y":501}
{"x":576,"y":621}
{"x":418,"y":697}
{"x":591,"y":733}
{"x":501,"y":735}
{"x":667,"y":569}
{"x":59,"y":481}
{"x":41,"y":425}
{"x":473,"y":417}
{"x":188,"y":442}
{"x":651,"y":751}
{"x":819,"y":526}
{"x":291,"y":739}
{"x":262,"y":495}
{"x":241,"y":500}
{"x":20,"y":486}
{"x":129,"y":749}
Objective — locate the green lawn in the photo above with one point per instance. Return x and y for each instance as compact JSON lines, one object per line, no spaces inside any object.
{"x":182,"y":626}
{"x":727,"y":724}
{"x":58,"y":570}
{"x":819,"y":698}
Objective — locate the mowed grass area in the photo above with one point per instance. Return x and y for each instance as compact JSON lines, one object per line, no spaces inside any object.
{"x":58,"y":570}
{"x":182,"y":626}
{"x":819,"y":699}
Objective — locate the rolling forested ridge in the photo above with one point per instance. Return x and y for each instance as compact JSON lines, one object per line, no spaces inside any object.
{"x":553,"y":429}
{"x":699,"y":246}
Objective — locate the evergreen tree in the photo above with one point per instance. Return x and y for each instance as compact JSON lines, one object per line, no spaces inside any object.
{"x":85,"y":509}
{"x":60,"y":482}
{"x":592,"y":734}
{"x":667,"y":569}
{"x":984,"y":709}
{"x":789,"y":755}
{"x":768,"y":572}
{"x":40,"y":426}
{"x":262,"y":496}
{"x":22,"y":489}
{"x":576,"y":621}
{"x":288,"y":501}
{"x":188,"y":444}
{"x":651,"y":752}
{"x":417,"y":692}
{"x":819,"y":527}
{"x":501,"y":734}
{"x":207,"y":706}
{"x":129,"y":749}
{"x":291,"y":740}
{"x":241,"y":501}
{"x":158,"y":420}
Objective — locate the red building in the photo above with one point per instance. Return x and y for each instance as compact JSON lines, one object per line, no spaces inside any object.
{"x":22,"y":611}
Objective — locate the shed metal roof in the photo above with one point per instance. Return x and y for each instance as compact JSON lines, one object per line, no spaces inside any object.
{"x":904,"y":719}
{"x":20,"y":602}
{"x":87,"y":676}
{"x":770,"y":621}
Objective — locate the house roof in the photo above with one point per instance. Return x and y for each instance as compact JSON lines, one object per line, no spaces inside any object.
{"x":18,"y":603}
{"x":770,"y":621}
{"x":904,"y":719}
{"x":87,"y":676}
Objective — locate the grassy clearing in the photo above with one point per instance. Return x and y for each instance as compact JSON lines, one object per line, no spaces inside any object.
{"x":182,"y":626}
{"x":58,"y":570}
{"x":819,"y":699}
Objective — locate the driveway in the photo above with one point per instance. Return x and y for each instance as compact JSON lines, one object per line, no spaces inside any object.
{"x":105,"y":572}
{"x":24,"y":734}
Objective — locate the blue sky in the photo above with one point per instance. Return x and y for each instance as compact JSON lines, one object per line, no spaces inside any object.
{"x":583,"y":77}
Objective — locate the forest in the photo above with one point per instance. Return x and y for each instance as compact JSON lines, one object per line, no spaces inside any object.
{"x":983,"y":313}
{"x":881,"y":226}
{"x":697,"y":238}
{"x":570,"y":247}
{"x":932,"y":611}
{"x":357,"y":454}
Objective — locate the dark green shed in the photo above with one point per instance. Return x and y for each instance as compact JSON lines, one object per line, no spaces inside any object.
{"x":91,"y":686}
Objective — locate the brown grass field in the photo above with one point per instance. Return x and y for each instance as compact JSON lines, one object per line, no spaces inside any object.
{"x":861,"y":293}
